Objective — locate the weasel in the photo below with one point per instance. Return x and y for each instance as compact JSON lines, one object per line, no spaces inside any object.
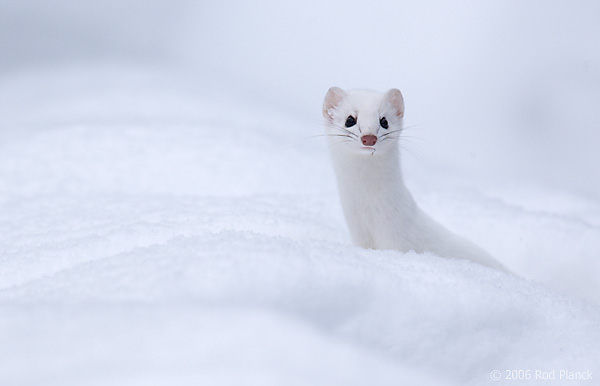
{"x":363,"y":129}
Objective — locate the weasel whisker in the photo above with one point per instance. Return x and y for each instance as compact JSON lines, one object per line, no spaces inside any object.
{"x":346,"y":131}
{"x":390,"y":132}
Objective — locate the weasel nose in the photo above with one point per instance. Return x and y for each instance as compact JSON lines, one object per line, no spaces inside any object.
{"x":369,"y":140}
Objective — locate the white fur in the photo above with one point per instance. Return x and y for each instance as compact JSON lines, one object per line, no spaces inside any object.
{"x":379,"y":210}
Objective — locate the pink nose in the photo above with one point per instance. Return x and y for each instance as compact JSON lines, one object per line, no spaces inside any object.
{"x":369,"y":140}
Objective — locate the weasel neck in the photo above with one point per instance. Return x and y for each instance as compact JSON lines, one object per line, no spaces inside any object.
{"x":372,"y":176}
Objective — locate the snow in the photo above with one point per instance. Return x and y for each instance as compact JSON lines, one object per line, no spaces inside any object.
{"x":177,"y":222}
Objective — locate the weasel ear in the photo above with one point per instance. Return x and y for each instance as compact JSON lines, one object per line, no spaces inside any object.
{"x":332,"y":99}
{"x":394,"y":96}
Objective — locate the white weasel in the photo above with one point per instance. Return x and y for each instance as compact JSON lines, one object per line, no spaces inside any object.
{"x":363,"y":128}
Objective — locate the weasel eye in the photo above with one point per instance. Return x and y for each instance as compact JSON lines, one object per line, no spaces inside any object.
{"x":350,"y":121}
{"x":384,"y":123}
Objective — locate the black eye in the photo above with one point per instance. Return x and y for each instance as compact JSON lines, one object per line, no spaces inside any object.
{"x":350,"y":121}
{"x":384,"y":123}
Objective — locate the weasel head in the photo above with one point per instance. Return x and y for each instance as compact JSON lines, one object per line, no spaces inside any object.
{"x":363,"y":122}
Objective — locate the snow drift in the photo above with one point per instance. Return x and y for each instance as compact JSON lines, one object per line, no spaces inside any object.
{"x":181,"y":244}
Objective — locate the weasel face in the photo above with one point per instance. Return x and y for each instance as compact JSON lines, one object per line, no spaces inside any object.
{"x":362,"y":121}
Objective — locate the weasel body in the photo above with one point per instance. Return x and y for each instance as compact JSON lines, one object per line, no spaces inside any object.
{"x":363,"y":128}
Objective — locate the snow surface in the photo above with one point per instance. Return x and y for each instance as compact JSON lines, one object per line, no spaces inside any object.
{"x":150,"y":236}
{"x":172,"y":224}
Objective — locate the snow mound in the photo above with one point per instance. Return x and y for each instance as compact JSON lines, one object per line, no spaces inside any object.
{"x":149,"y":236}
